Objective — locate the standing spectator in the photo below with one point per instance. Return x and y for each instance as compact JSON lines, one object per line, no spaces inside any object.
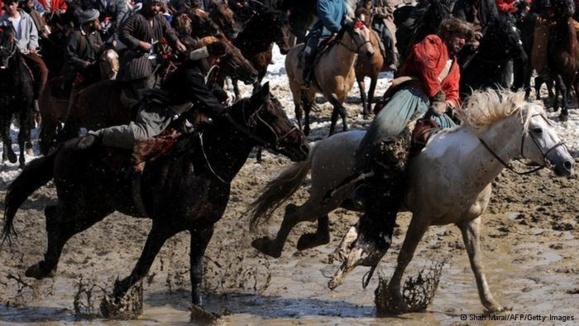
{"x":27,"y":42}
{"x":141,"y":33}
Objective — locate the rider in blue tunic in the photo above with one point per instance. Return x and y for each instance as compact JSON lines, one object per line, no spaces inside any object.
{"x":331,"y":15}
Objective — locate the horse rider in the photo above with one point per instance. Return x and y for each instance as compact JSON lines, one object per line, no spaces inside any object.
{"x":27,"y":42}
{"x":428,"y":83}
{"x":83,"y":50}
{"x":331,"y":15}
{"x":184,"y":92}
{"x":142,"y":34}
{"x":383,"y":22}
{"x":547,"y":16}
{"x":480,"y":13}
{"x":112,"y":14}
{"x":29,"y":7}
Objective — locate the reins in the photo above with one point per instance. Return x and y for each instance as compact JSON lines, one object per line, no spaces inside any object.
{"x":248,"y":133}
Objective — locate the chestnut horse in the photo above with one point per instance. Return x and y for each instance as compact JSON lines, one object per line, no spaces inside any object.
{"x":449,"y":181}
{"x":185,"y":190}
{"x":333,"y":74}
{"x":368,"y":66}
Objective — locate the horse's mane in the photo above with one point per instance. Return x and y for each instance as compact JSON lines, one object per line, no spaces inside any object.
{"x":485,"y":107}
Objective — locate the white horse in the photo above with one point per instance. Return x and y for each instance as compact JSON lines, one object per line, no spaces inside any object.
{"x":449,"y":181}
{"x":333,"y":74}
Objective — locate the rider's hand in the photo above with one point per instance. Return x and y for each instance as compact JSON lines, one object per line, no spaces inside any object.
{"x":32,"y":49}
{"x":145,"y":46}
{"x":438,"y":108}
{"x":181,"y":47}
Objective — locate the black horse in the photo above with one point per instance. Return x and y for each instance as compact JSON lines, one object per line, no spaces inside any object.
{"x":486,"y":67}
{"x":414,"y":23}
{"x":256,"y":40}
{"x":16,"y":95}
{"x":185,"y":190}
{"x":301,"y":15}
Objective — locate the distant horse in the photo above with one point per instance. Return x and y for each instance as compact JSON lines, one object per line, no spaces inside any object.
{"x":187,"y":189}
{"x":16,"y":96}
{"x":414,"y":23}
{"x":368,"y":66}
{"x":94,"y":111}
{"x":301,"y":16}
{"x":195,"y":23}
{"x":256,"y":40}
{"x":563,"y":56}
{"x":486,"y":67}
{"x":333,"y":74}
{"x":224,"y":17}
{"x":442,"y":189}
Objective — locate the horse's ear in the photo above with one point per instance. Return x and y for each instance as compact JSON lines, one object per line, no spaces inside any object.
{"x":265,"y":88}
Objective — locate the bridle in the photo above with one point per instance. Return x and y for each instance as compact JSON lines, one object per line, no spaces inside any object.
{"x":11,"y":50}
{"x":250,"y":120}
{"x":358,"y":46}
{"x":523,"y":136}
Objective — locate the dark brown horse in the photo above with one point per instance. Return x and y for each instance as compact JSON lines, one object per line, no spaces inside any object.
{"x":256,"y":40}
{"x":223,"y":16}
{"x":185,"y":190}
{"x":563,"y":56}
{"x":16,"y":95}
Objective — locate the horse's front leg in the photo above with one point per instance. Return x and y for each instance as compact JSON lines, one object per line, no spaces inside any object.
{"x":199,"y":241}
{"x":8,"y":153}
{"x":471,"y":237}
{"x":365,"y":100}
{"x":373,"y":83}
{"x":340,"y":110}
{"x":415,"y":232}
{"x":274,"y":247}
{"x":155,"y":240}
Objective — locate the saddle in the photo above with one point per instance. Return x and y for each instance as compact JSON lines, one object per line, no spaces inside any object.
{"x":423,"y":130}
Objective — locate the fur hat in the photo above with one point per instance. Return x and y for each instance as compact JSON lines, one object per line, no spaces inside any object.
{"x":86,"y":16}
{"x":455,"y":25}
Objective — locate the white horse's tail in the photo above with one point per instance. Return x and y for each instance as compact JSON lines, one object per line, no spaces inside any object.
{"x":277,"y":191}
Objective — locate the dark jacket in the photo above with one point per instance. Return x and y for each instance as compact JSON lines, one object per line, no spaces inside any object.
{"x":135,"y":63}
{"x":81,"y":50}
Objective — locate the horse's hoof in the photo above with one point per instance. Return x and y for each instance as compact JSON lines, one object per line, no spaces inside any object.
{"x":38,"y":272}
{"x":563,"y":117}
{"x":265,"y":246}
{"x":12,"y":157}
{"x":311,"y":240}
{"x":128,"y":307}
{"x":29,"y":152}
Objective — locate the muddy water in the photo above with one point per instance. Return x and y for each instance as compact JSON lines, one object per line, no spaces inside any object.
{"x":533,"y":276}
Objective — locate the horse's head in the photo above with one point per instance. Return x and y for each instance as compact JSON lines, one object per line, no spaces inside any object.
{"x":355,"y":36}
{"x":199,"y":23}
{"x":265,"y":119}
{"x":233,"y":63}
{"x":540,"y":143}
{"x":282,"y":31}
{"x":223,"y":16}
{"x":8,"y":46}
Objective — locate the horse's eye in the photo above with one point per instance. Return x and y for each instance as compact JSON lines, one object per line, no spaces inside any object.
{"x":537,"y":130}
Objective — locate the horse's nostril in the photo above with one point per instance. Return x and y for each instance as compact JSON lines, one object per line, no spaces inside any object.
{"x":369,"y":54}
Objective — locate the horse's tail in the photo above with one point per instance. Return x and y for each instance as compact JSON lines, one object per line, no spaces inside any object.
{"x":35,"y":174}
{"x":277,"y":191}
